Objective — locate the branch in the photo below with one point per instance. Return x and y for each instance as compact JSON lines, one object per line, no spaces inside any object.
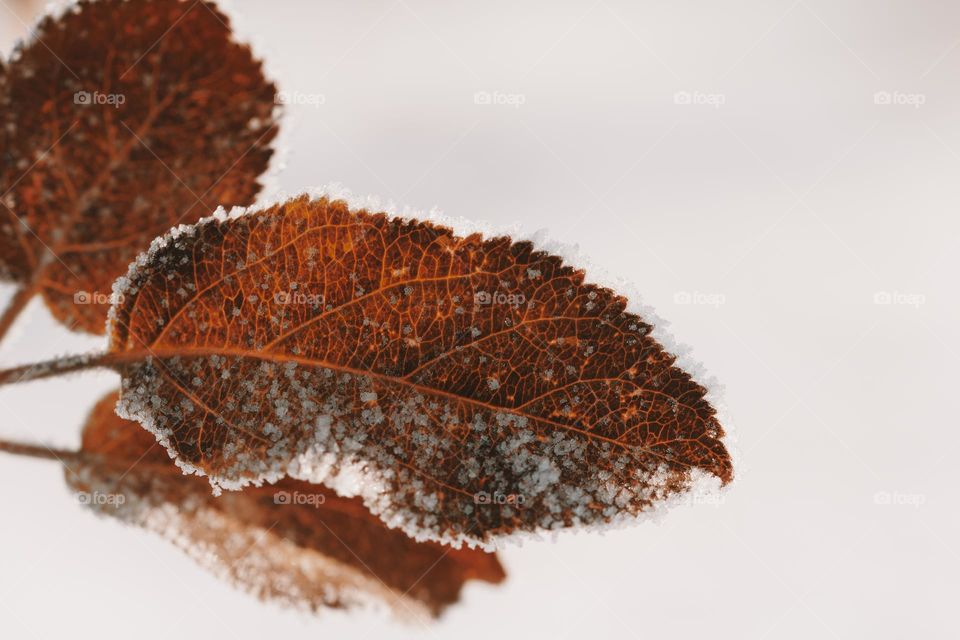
{"x":21,"y":297}
{"x":53,"y":368}
{"x":38,"y":451}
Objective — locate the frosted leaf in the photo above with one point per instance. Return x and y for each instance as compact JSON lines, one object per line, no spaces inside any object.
{"x":122,"y":139}
{"x":294,"y":543}
{"x":557,"y":414}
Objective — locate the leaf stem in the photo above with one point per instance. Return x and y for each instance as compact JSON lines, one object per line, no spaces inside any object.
{"x":21,"y":297}
{"x":53,"y":368}
{"x":38,"y":451}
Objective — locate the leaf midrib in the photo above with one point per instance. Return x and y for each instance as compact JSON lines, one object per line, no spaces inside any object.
{"x":118,"y":358}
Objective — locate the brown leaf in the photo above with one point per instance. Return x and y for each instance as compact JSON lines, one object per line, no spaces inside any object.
{"x":294,"y":542}
{"x":11,"y":250}
{"x":122,"y":118}
{"x":466,"y":388}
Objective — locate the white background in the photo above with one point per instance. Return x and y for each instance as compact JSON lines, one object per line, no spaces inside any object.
{"x":793,"y":204}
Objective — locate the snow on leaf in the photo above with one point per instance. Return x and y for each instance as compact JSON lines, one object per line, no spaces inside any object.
{"x":119,"y":119}
{"x":294,"y":543}
{"x":417,"y":382}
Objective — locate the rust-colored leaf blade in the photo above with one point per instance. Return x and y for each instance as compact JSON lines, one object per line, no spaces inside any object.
{"x":122,"y":118}
{"x":447,"y":380}
{"x":294,"y":543}
{"x":12,"y":257}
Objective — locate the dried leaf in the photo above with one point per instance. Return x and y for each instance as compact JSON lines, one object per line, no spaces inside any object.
{"x":122,"y":118}
{"x":294,"y":542}
{"x":466,"y":388}
{"x":10,"y":239}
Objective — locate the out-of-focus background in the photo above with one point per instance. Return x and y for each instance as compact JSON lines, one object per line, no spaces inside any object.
{"x":779,"y":180}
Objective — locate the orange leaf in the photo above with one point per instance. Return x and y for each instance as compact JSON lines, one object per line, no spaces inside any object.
{"x":122,"y":118}
{"x":466,"y":388}
{"x":293,"y":543}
